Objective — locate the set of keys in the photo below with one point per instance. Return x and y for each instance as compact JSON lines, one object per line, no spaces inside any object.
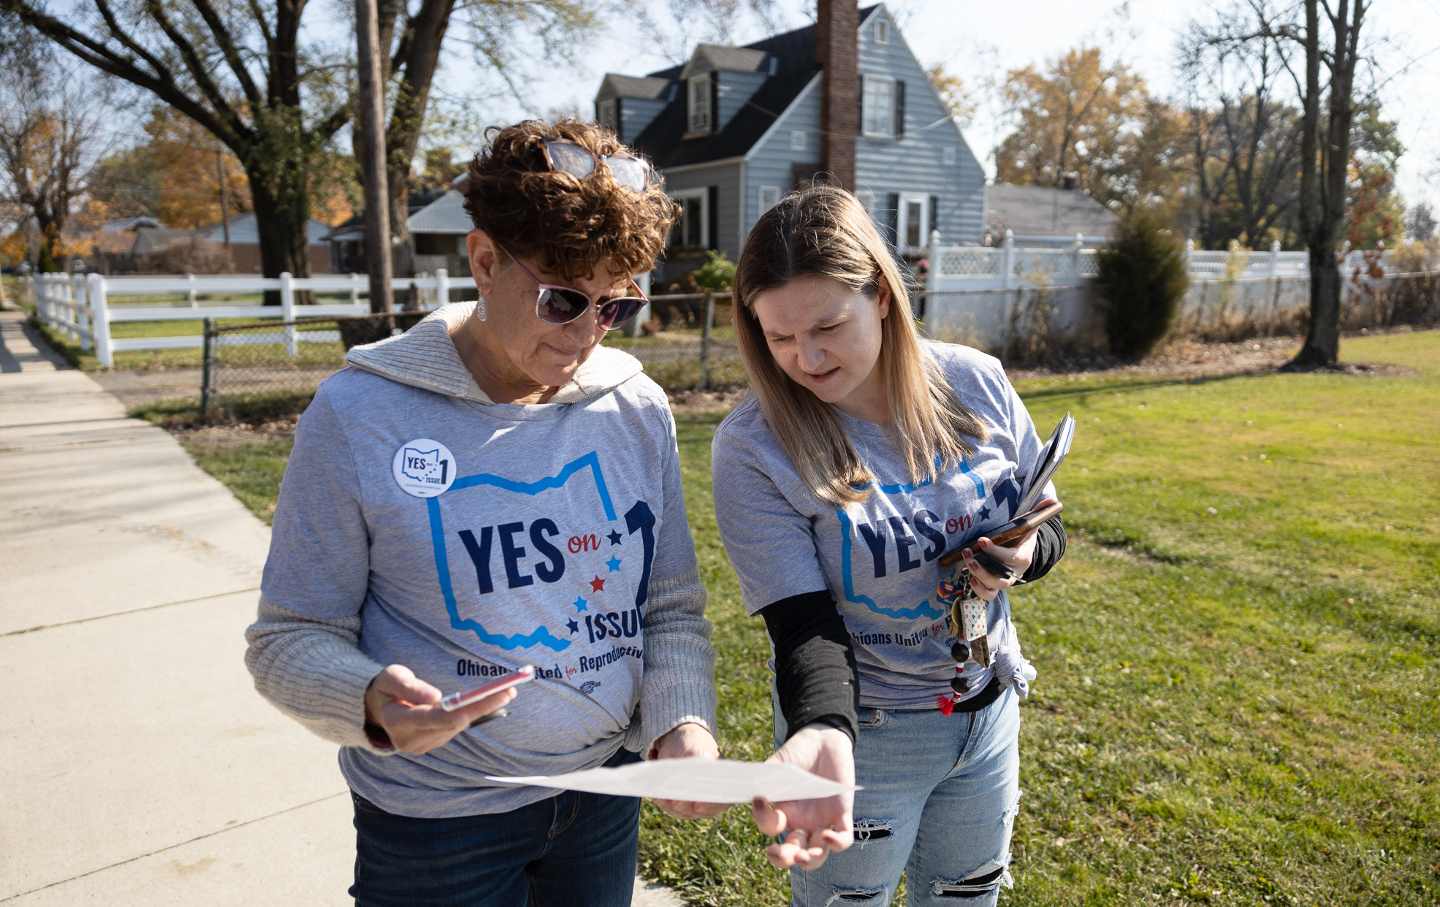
{"x":969,"y":617}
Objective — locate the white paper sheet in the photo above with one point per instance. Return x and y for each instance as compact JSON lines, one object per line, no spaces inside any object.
{"x":695,"y":779}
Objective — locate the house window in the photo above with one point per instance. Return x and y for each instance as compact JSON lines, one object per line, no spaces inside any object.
{"x":692,"y":229}
{"x":948,"y":155}
{"x":700,"y":103}
{"x":914,"y":214}
{"x":882,"y":32}
{"x":797,"y":140}
{"x":608,"y":115}
{"x":879,"y":106}
{"x":769,"y":197}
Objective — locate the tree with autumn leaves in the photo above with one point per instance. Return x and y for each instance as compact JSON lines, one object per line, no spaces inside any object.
{"x":1222,"y":162}
{"x":51,"y":133}
{"x":274,"y":94}
{"x":181,"y":176}
{"x":1072,"y":120}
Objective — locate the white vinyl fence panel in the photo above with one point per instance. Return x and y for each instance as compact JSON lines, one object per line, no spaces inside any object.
{"x":83,"y":308}
{"x":980,"y":294}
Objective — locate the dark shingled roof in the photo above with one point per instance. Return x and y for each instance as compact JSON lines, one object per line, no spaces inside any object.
{"x":727,"y":59}
{"x":663,"y":140}
{"x":623,"y":86}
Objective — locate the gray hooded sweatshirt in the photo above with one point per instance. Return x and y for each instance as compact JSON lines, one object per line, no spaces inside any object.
{"x":422,"y":524}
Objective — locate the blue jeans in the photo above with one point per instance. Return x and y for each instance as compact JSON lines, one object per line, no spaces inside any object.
{"x":939,"y":798}
{"x":573,"y":849}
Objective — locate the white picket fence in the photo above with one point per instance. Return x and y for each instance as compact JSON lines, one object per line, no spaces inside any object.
{"x":1012,"y":265}
{"x":972,"y":292}
{"x":84,"y":307}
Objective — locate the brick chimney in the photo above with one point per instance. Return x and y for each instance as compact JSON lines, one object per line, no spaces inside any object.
{"x":836,"y":30}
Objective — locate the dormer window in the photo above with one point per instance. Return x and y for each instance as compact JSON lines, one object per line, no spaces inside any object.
{"x":882,"y":32}
{"x":699,"y":104}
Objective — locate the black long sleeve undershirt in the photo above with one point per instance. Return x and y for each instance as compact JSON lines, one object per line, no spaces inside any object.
{"x":815,"y":675}
{"x":1049,"y":548}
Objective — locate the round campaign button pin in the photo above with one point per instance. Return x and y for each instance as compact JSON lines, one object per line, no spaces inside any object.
{"x":423,"y":468}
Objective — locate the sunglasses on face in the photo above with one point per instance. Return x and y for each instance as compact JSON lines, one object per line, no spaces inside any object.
{"x":561,"y":305}
{"x":628,"y":171}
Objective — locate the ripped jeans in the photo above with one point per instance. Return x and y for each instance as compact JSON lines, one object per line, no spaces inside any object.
{"x":939,"y":798}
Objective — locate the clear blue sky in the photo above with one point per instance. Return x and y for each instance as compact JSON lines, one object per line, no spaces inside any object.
{"x":973,"y":38}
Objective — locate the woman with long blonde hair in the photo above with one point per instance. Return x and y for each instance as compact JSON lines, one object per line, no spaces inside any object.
{"x":863,"y":456}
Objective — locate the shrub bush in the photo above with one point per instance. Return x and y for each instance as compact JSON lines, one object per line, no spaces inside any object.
{"x":1142,"y":279}
{"x":717,"y":273}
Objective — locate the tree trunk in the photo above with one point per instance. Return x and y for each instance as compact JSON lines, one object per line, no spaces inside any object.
{"x":1322,"y":339}
{"x":402,"y":243}
{"x":49,"y":230}
{"x":282,"y":224}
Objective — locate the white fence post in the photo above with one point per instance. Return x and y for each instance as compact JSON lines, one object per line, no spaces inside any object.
{"x":82,"y":315}
{"x":1075,"y":257}
{"x":287,"y":312}
{"x":1008,"y":284}
{"x":194,"y":303}
{"x":932,"y":273}
{"x":643,"y":315}
{"x":442,"y":287}
{"x":355,"y":290}
{"x":100,"y":321}
{"x":70,"y":306}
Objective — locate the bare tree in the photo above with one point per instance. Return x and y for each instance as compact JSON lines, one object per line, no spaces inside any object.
{"x":501,"y":38}
{"x":52,"y":133}
{"x":1326,"y":34}
{"x":1324,"y":167}
{"x":1244,"y":134}
{"x":240,"y":70}
{"x":690,"y":22}
{"x":1420,"y":222}
{"x":276,"y":95}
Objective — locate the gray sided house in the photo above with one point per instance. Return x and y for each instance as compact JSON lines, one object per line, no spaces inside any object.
{"x":735,"y":128}
{"x":1046,"y":215}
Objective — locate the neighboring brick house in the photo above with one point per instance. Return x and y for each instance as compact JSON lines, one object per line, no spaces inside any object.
{"x":735,"y":128}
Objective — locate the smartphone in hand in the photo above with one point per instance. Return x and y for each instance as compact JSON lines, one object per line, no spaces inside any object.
{"x":498,"y":685}
{"x":1008,"y":534}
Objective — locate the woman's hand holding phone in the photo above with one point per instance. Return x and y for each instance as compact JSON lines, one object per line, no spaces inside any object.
{"x":1000,"y":565}
{"x":410,"y":713}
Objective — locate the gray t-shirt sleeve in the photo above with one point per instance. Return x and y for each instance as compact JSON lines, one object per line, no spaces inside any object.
{"x":319,"y":562}
{"x":770,"y":543}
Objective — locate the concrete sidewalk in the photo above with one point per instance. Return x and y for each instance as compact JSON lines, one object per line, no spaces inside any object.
{"x":140,"y":766}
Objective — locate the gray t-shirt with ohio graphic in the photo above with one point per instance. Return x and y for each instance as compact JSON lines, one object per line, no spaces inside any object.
{"x":878,"y":557}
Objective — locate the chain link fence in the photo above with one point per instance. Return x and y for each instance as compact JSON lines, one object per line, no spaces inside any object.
{"x":255,"y":369}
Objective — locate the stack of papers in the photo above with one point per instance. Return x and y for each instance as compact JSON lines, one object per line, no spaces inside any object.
{"x":1051,"y":456}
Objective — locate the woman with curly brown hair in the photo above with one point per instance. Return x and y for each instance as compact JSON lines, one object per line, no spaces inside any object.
{"x":495,"y":489}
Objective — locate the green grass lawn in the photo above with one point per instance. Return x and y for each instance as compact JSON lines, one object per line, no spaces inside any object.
{"x":1238,"y":698}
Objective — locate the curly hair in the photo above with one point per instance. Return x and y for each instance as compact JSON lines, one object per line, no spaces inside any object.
{"x":570,"y":225}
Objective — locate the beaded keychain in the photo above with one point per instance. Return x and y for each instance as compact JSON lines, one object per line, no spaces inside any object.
{"x":969,"y":624}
